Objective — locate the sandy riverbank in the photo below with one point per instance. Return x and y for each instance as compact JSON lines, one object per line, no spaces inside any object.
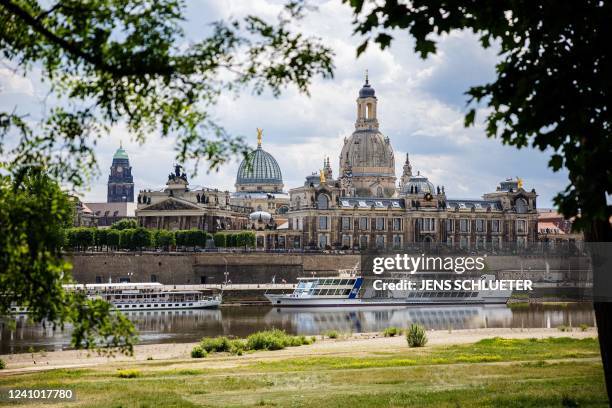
{"x":351,"y":344}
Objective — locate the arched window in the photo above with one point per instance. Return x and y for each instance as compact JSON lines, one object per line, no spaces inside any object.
{"x":521,"y":206}
{"x":322,"y":202}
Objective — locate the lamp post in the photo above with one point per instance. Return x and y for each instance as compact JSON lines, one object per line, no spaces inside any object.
{"x":226,"y":273}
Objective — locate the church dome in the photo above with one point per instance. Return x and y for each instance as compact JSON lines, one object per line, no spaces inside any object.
{"x":121,"y":154}
{"x":367,"y":91}
{"x":418,"y":185}
{"x":259,"y":171}
{"x":370,"y":150}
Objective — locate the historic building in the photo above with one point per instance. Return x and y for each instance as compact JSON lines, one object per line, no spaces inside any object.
{"x":259,"y":182}
{"x":363,"y":208}
{"x":120,"y":181}
{"x":177,"y":207}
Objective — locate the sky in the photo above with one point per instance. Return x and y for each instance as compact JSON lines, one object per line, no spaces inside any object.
{"x":421,"y":107}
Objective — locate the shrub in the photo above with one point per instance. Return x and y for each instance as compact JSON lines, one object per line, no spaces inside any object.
{"x":392,"y":331}
{"x":563,"y":328}
{"x":198,"y":352}
{"x":584,"y":327}
{"x":164,"y":239}
{"x":237,"y":346}
{"x":215,"y":344}
{"x":332,"y":334}
{"x":113,"y":237}
{"x":124,"y":224}
{"x":268,"y":340}
{"x":416,"y":336}
{"x":2,"y":364}
{"x":128,"y":373}
{"x":220,"y":240}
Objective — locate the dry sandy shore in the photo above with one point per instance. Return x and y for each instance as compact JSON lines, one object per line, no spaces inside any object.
{"x":354,"y":345}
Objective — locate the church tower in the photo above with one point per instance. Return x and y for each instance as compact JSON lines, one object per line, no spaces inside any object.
{"x":120,"y":180}
{"x":366,"y":159}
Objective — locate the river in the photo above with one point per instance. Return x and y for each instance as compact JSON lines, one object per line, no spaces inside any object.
{"x":191,"y":325}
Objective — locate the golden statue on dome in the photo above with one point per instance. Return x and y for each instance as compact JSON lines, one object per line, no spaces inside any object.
{"x":259,"y":136}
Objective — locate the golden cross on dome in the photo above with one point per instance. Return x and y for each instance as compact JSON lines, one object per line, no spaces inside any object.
{"x":259,"y":136}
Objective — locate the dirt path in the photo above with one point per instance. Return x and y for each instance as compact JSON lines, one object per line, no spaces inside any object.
{"x":354,"y":345}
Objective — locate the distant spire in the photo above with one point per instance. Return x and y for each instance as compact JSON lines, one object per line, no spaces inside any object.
{"x":366,"y":77}
{"x":120,"y":144}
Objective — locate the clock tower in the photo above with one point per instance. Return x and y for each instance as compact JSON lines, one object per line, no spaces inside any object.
{"x":120,"y":180}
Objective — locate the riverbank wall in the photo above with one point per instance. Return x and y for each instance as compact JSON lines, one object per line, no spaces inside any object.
{"x":204,"y":268}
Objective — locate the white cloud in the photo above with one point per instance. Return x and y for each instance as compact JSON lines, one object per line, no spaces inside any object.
{"x":421,"y":109}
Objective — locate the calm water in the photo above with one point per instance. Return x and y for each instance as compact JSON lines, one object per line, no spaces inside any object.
{"x":191,"y":325}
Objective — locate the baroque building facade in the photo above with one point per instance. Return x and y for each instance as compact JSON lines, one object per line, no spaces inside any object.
{"x":363,"y":208}
{"x":177,"y":207}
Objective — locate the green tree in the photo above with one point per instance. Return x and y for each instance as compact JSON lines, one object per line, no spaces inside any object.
{"x":125,"y":224}
{"x":245,"y":239}
{"x":100,"y":235}
{"x":220,"y":239}
{"x":141,"y":238}
{"x":126,"y":239}
{"x":552,"y":91}
{"x":113,"y":238}
{"x":164,"y":239}
{"x":33,"y":215}
{"x":117,"y":61}
{"x":231,"y":240}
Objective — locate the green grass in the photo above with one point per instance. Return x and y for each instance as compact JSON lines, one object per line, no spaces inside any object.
{"x":496,"y":372}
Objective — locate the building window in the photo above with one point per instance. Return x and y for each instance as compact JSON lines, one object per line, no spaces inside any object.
{"x":363,"y":242}
{"x":153,"y":278}
{"x":98,"y":279}
{"x":380,"y":241}
{"x":480,"y":243}
{"x":322,"y":241}
{"x":397,"y":224}
{"x":521,"y":242}
{"x":322,"y":202}
{"x":380,"y":223}
{"x":322,"y":223}
{"x":521,"y":206}
{"x":481,"y":225}
{"x":346,"y":241}
{"x":346,"y":223}
{"x":495,"y":224}
{"x":427,"y":224}
{"x":521,"y":226}
{"x":397,"y":242}
{"x":464,"y":242}
{"x":450,"y":225}
{"x":363,"y":223}
{"x":464,"y":225}
{"x":450,"y":241}
{"x":379,"y":192}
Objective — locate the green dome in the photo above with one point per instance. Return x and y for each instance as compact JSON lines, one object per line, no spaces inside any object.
{"x":259,"y":168}
{"x":120,"y":154}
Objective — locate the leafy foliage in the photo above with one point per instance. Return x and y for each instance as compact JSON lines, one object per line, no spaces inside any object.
{"x":551,"y":86}
{"x":33,"y":215}
{"x":124,"y":224}
{"x":117,"y":60}
{"x":416,"y":336}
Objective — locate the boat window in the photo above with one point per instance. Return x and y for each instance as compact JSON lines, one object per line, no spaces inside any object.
{"x":347,"y":292}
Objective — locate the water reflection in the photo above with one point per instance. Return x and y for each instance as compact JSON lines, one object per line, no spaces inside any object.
{"x":191,"y":325}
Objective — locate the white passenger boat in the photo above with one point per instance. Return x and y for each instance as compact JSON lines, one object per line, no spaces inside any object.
{"x":142,"y":296}
{"x":349,"y":290}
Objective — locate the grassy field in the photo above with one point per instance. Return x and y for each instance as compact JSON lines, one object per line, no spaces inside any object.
{"x":554,"y":372}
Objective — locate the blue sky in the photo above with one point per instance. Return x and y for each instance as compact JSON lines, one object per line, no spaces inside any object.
{"x":421,"y":107}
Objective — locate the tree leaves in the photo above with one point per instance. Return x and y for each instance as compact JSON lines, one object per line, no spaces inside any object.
{"x":552,"y":87}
